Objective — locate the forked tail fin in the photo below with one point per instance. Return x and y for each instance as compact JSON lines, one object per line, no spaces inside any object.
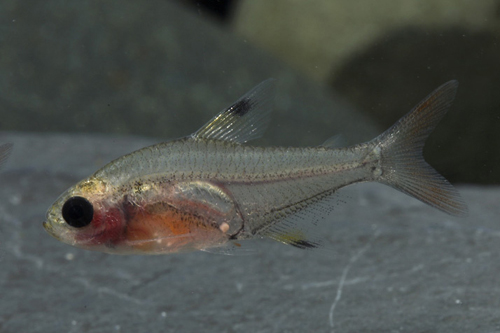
{"x":402,"y":163}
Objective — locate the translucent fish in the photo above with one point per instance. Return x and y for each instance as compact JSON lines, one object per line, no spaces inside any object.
{"x":209,"y":191}
{"x":5,"y":151}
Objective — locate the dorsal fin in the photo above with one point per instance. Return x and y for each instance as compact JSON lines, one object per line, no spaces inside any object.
{"x":336,"y":141}
{"x":245,"y":120}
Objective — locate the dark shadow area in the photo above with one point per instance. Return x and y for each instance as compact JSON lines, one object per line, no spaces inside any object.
{"x":390,"y":77}
{"x":220,"y":9}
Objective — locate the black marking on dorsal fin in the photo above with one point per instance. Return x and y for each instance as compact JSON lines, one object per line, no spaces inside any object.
{"x":303,"y":244}
{"x":245,"y":120}
{"x":240,"y":108}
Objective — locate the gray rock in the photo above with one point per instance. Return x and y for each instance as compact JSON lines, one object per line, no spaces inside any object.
{"x":395,"y":265}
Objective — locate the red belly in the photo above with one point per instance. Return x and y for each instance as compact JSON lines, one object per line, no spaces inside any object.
{"x":161,"y":228}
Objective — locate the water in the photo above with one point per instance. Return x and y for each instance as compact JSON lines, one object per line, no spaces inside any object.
{"x":84,"y":82}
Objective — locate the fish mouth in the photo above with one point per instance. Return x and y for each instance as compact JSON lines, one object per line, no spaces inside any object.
{"x":50,"y":230}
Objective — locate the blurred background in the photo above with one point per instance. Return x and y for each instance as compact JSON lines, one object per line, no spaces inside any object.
{"x":163,"y":68}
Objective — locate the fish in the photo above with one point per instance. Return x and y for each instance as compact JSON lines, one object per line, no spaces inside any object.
{"x":5,"y":150}
{"x":210,"y":190}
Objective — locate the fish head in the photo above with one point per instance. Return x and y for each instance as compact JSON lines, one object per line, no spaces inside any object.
{"x":87,"y":216}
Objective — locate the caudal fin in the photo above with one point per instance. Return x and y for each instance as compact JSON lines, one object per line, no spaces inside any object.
{"x":402,"y":162}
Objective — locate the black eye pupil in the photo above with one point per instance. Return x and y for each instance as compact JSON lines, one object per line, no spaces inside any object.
{"x":78,"y":212}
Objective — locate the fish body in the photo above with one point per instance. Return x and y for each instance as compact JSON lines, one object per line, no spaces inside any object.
{"x":210,"y":189}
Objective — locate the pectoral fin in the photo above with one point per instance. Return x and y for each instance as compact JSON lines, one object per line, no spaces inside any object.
{"x":209,"y":201}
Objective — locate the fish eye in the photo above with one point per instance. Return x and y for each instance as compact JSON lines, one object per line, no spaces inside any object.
{"x":78,"y":212}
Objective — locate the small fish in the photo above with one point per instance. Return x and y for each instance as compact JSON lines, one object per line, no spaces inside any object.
{"x":5,"y":151}
{"x":209,"y":190}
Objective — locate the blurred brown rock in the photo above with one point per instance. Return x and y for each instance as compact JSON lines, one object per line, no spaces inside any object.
{"x":319,"y":36}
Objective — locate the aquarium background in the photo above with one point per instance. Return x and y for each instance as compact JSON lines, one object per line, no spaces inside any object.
{"x":84,"y":82}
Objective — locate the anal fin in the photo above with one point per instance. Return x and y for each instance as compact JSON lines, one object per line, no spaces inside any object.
{"x":303,"y":228}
